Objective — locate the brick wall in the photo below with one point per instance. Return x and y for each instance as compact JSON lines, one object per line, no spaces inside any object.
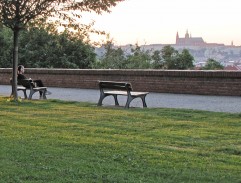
{"x":163,"y":81}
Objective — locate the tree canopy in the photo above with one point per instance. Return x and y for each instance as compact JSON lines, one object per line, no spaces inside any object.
{"x":39,"y":48}
{"x":16,"y":14}
{"x":212,"y":64}
{"x":172,"y":59}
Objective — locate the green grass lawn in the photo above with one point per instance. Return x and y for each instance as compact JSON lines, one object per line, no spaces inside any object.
{"x":56,"y":141}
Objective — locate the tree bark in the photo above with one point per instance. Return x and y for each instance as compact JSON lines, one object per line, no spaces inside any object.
{"x":15,"y":63}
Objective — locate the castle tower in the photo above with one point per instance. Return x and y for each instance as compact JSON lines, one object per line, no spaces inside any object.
{"x":177,"y":38}
{"x":189,"y":40}
{"x":187,"y":35}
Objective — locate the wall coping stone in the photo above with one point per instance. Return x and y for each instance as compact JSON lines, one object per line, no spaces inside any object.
{"x":134,"y":72}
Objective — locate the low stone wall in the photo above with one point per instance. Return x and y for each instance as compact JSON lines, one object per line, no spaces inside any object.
{"x":163,"y":81}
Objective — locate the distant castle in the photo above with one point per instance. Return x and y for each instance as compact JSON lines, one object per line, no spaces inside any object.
{"x":188,"y":40}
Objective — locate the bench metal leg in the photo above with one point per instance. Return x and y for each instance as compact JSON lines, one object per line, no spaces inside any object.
{"x":31,"y":94}
{"x":34,"y":91}
{"x":44,"y":95}
{"x":99,"y":103}
{"x":143,"y":98}
{"x":102,"y":96}
{"x":116,"y":100}
{"x":129,"y":99}
{"x":25,"y":94}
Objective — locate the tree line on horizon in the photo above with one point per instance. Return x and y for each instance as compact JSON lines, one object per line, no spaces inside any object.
{"x":41,"y":49}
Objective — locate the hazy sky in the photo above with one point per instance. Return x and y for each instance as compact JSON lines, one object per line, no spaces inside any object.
{"x":158,"y":21}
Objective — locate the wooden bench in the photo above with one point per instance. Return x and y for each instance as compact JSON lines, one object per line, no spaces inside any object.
{"x":111,"y":88}
{"x":28,"y":84}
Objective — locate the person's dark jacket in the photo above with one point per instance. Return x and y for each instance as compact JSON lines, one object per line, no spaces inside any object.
{"x":21,"y":76}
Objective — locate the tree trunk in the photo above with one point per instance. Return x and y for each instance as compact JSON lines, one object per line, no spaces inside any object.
{"x":15,"y":63}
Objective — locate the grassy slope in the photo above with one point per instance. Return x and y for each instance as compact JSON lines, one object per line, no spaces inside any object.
{"x":54,"y":141}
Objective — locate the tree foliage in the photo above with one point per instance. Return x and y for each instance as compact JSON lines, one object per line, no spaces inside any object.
{"x":157,"y":62}
{"x":39,"y":48}
{"x":172,"y":59}
{"x":212,"y":64}
{"x":5,"y":47}
{"x":16,"y":14}
{"x":116,"y":58}
{"x":185,"y":60}
{"x":112,"y":58}
{"x":140,"y":58}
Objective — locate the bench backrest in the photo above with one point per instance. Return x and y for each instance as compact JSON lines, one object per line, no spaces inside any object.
{"x":111,"y":85}
{"x":26,"y":83}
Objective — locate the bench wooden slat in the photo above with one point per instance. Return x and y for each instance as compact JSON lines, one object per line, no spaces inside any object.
{"x":122,"y":86}
{"x":139,"y":93}
{"x":125,"y":93}
{"x":39,"y":88}
{"x":116,"y":92}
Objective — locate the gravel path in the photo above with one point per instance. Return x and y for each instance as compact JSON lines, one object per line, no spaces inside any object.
{"x":230,"y":104}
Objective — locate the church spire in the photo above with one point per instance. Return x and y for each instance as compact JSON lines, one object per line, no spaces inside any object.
{"x":177,"y":38}
{"x":187,"y":35}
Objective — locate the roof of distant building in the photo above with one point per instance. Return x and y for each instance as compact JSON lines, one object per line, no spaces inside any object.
{"x":232,"y":68}
{"x":188,"y":40}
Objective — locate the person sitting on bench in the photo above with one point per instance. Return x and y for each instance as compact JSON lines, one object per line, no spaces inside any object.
{"x":37,"y":83}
